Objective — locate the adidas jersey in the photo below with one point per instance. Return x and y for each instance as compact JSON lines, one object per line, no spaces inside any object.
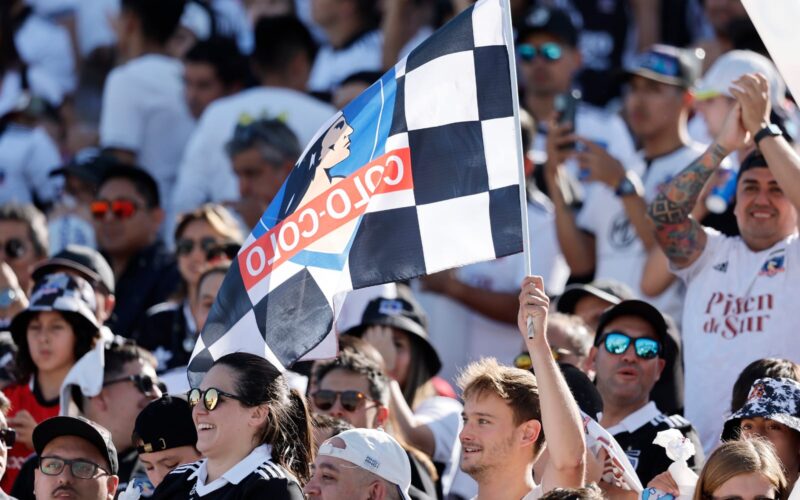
{"x":636,"y":432}
{"x":254,"y":477}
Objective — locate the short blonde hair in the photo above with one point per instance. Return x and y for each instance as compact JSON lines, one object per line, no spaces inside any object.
{"x":518,"y":388}
{"x":741,"y":457}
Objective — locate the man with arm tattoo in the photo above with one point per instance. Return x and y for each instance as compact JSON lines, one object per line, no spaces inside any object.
{"x":740,"y":290}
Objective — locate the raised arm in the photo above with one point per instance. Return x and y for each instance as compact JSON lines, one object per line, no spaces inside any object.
{"x":752,"y":93}
{"x":680,"y":235}
{"x":561,"y":419}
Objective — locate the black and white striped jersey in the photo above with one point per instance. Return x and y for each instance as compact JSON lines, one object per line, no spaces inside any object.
{"x":256,"y":476}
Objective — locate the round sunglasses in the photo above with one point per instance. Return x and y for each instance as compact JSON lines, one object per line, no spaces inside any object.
{"x":548,"y":51}
{"x":618,"y":343}
{"x":324,"y":399}
{"x":210,"y":397}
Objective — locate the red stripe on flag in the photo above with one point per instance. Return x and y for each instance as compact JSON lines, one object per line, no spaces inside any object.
{"x":340,"y":204}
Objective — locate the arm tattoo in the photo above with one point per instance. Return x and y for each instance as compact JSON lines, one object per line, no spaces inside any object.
{"x":675,"y":230}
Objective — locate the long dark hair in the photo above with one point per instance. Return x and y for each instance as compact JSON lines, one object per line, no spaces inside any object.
{"x":418,"y":385}
{"x":288,"y":426}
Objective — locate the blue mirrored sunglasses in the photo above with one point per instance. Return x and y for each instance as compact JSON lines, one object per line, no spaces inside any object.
{"x":549,"y":51}
{"x":618,"y":343}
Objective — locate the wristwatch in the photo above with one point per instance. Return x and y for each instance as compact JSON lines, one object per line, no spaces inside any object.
{"x":770,"y":130}
{"x":629,"y":185}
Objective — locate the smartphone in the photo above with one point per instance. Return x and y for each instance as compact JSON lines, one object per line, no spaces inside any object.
{"x":567,"y":106}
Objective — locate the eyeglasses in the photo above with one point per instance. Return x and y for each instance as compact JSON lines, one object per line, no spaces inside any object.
{"x":618,"y":342}
{"x":145,"y":384}
{"x":121,"y":208}
{"x":82,"y":469}
{"x":325,"y":399}
{"x":524,"y":362}
{"x":8,"y":436}
{"x":549,"y":51}
{"x":210,"y":397}
{"x":15,"y":248}
{"x":210,"y":247}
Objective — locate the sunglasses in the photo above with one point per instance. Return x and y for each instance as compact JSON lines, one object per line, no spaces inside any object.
{"x":325,"y":399}
{"x":549,"y":51}
{"x":524,"y":362}
{"x":15,"y":248}
{"x":121,"y":209}
{"x":618,"y":343}
{"x":210,"y":247}
{"x":143,"y":383}
{"x":82,"y":469}
{"x":8,"y":437}
{"x":210,"y":397}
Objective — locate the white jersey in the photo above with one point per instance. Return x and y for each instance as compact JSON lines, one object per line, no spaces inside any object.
{"x":332,"y":66}
{"x":620,"y":253}
{"x":46,"y":45}
{"x":26,"y":158}
{"x":206,"y":173}
{"x":144,"y":111}
{"x":740,"y":307}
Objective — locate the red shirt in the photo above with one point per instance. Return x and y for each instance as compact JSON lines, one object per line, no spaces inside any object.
{"x":22,"y":397}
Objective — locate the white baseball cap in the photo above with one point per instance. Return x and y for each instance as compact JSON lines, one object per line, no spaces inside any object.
{"x":730,"y":66}
{"x":374,"y":451}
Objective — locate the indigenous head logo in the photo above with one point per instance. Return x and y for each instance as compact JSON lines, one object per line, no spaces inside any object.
{"x":773,"y":266}
{"x":757,"y":392}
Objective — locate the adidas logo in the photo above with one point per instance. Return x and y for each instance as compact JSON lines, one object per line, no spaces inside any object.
{"x":722,"y":267}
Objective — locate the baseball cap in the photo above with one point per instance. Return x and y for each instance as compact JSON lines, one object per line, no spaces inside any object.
{"x":163,"y":424}
{"x":639,"y":309}
{"x":60,"y":292}
{"x":775,"y":399}
{"x":730,"y":66}
{"x":403,"y":313}
{"x":555,"y":22}
{"x":85,"y":260}
{"x":374,"y":451}
{"x":611,"y":291}
{"x":666,"y":64}
{"x":89,"y":164}
{"x":80,"y":427}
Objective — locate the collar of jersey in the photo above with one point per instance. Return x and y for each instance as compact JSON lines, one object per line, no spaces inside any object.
{"x":234,"y":475}
{"x":636,"y":420}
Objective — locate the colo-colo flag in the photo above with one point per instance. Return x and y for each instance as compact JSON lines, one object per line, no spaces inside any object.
{"x":418,"y":174}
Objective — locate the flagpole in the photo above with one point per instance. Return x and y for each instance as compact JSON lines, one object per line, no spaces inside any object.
{"x":508,"y":32}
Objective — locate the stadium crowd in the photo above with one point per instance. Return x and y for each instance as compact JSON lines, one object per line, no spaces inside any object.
{"x":141,"y":140}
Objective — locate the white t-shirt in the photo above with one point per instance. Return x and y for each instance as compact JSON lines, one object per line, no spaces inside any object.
{"x":740,"y":307}
{"x":44,"y":44}
{"x":332,"y":66}
{"x":461,"y":335}
{"x":620,"y":254}
{"x":206,"y":173}
{"x":547,"y":260}
{"x":26,"y":158}
{"x":144,"y":111}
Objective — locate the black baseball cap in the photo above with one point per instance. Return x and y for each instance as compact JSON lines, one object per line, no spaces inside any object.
{"x":666,"y":64}
{"x":87,"y":261}
{"x":80,"y":427}
{"x":611,"y":291}
{"x":552,"y":21}
{"x":639,"y":309}
{"x":163,"y":424}
{"x":88,"y":164}
{"x":403,"y":313}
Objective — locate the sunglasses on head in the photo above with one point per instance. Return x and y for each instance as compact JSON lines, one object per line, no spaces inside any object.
{"x":8,"y":437}
{"x":15,"y":248}
{"x":548,"y":51}
{"x":143,"y":383}
{"x":121,"y":209}
{"x":210,"y":397}
{"x":325,"y":399}
{"x":618,"y":343}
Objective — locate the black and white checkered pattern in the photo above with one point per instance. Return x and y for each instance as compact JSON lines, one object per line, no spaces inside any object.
{"x":454,"y":111}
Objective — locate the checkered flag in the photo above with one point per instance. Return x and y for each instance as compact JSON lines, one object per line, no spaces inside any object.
{"x":418,"y":174}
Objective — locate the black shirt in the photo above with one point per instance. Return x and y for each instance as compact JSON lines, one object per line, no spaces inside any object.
{"x":635,"y":434}
{"x":149,"y":279}
{"x":254,"y":477}
{"x":166,"y":333}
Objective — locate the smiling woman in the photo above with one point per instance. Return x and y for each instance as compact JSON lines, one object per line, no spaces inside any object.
{"x":254,"y":432}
